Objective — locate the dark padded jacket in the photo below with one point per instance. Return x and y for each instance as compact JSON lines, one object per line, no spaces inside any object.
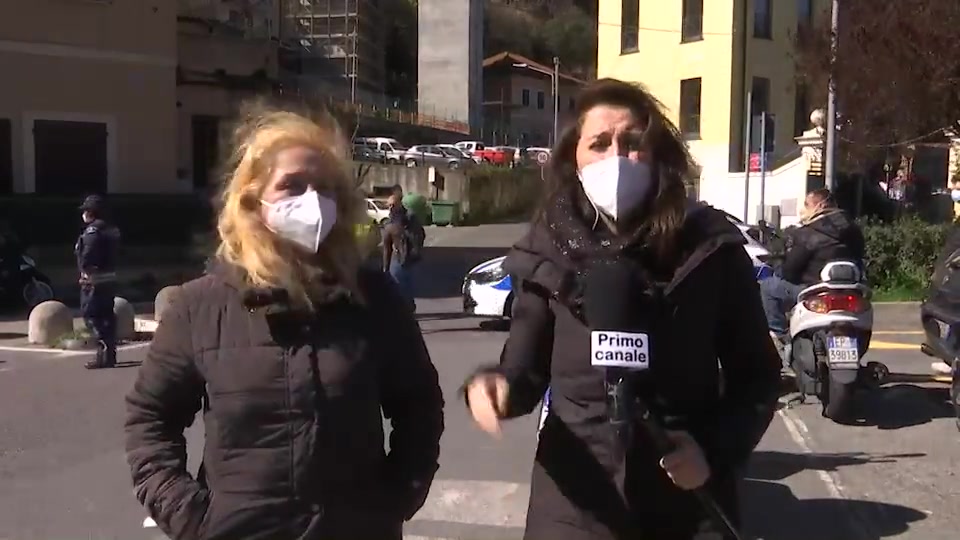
{"x":96,"y":251}
{"x":712,"y":313}
{"x":830,"y":236}
{"x":291,"y":403}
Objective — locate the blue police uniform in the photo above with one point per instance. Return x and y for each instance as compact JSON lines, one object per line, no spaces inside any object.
{"x":96,"y":252}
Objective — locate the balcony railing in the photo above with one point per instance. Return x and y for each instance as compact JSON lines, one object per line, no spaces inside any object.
{"x":371,"y":105}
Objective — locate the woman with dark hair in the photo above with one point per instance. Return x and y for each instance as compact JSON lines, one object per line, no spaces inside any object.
{"x":628,"y":293}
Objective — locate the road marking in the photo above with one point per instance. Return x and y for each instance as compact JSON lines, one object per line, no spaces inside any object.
{"x":476,"y":502}
{"x":62,"y":352}
{"x":893,"y":345}
{"x":801,"y":435}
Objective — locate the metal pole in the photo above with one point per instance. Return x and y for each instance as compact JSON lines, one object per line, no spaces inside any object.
{"x":762,"y":218}
{"x":831,"y":156}
{"x":556,"y":96}
{"x":746,"y":158}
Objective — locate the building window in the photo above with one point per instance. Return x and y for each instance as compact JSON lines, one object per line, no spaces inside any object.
{"x":690,"y":107}
{"x":762,"y":19}
{"x":759,"y":96}
{"x":801,"y":112}
{"x":692,"y":26}
{"x":629,"y":26}
{"x":525,"y":97}
{"x":540,"y":100}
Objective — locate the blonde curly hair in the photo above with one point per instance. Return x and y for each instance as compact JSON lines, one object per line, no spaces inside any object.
{"x":244,"y":239}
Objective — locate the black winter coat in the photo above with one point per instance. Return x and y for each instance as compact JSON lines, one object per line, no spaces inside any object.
{"x":292,"y":403}
{"x":829,"y":237}
{"x":579,"y":490}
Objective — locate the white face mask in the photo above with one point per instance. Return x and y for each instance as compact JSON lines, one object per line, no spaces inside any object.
{"x":616,"y":185}
{"x":304,"y":219}
{"x":955,"y":195}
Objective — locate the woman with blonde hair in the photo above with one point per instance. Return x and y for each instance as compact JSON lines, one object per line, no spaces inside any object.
{"x":293,"y":350}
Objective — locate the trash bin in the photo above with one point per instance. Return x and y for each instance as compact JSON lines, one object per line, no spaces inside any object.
{"x":417,"y":204}
{"x":445,"y":212}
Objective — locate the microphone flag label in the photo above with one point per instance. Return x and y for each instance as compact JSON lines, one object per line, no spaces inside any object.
{"x":627,"y":350}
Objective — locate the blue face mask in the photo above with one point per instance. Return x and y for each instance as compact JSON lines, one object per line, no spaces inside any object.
{"x":955,"y":195}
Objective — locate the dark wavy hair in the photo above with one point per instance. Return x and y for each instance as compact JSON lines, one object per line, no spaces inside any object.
{"x":672,"y":165}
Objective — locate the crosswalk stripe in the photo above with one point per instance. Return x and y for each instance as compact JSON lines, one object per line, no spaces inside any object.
{"x":476,"y":502}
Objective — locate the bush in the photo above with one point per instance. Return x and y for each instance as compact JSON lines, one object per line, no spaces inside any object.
{"x":499,"y":194}
{"x":161,"y":220}
{"x":901,"y":255}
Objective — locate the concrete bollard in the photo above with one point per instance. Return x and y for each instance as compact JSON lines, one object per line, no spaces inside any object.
{"x":49,"y":321}
{"x":125,"y":315}
{"x":163,"y":301}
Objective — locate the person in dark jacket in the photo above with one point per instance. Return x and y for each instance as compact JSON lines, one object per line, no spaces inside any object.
{"x":616,"y":197}
{"x":96,"y":251}
{"x":826,"y":234}
{"x":399,"y":256}
{"x":291,"y":349}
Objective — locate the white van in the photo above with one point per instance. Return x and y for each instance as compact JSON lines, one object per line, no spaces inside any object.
{"x":391,"y":148}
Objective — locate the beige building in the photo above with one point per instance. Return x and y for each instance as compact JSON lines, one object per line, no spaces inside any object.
{"x":88,"y":96}
{"x":125,"y":97}
{"x":518,"y":100}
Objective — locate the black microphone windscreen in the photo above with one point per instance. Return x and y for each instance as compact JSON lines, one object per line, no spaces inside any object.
{"x":610,"y":296}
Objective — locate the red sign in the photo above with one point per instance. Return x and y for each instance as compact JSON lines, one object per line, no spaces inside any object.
{"x":755,"y":161}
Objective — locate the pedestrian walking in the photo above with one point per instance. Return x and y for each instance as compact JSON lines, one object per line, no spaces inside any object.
{"x":96,"y":251}
{"x":627,"y":295}
{"x":403,"y":242}
{"x":293,"y":350}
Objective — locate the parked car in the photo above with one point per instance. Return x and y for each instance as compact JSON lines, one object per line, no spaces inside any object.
{"x":536,"y":154}
{"x":378,"y":211}
{"x":366,"y":152}
{"x":429,"y":155}
{"x":392,"y":150}
{"x":512,"y":155}
{"x":482,"y":153}
{"x":455,"y":151}
{"x":487,"y":289}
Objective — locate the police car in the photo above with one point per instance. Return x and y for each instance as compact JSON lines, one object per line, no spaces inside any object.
{"x":487,"y":289}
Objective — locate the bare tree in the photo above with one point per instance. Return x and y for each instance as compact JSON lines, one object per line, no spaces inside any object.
{"x":897,"y":70}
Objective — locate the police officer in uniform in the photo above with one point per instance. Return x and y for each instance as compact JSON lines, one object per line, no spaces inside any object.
{"x":96,"y":252}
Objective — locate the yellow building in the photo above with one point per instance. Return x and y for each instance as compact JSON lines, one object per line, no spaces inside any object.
{"x":693,"y":56}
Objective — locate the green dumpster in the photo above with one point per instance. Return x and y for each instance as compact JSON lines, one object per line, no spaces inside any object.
{"x":445,"y":212}
{"x":416,"y":204}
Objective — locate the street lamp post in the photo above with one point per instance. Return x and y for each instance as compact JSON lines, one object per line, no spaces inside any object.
{"x":554,"y":89}
{"x":831,"y":153}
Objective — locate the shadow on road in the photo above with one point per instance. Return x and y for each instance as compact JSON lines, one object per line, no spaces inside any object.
{"x":773,"y":512}
{"x":902,"y":405}
{"x":12,"y":335}
{"x":441,"y":273}
{"x":776,"y":466}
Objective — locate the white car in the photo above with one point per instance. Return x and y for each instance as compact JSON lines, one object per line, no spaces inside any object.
{"x":378,"y":211}
{"x":488,"y":290}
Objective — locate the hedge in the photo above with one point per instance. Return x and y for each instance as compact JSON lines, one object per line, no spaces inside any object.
{"x":500,"y":194}
{"x":900,"y":255}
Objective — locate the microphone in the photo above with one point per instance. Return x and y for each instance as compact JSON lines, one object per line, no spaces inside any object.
{"x":619,"y":319}
{"x":621,"y":309}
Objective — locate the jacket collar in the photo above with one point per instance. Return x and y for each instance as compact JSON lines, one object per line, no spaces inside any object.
{"x":273,"y":299}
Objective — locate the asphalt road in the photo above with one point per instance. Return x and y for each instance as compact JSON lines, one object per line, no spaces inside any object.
{"x":63,"y":472}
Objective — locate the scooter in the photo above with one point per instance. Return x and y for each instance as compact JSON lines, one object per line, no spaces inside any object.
{"x":830,"y":331}
{"x":22,"y":282}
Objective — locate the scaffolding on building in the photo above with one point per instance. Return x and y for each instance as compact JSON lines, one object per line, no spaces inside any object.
{"x":338,"y":43}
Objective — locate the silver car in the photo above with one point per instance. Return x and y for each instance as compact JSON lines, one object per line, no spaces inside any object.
{"x":429,"y":155}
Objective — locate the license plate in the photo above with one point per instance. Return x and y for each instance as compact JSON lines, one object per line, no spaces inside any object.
{"x":944,"y":329}
{"x":842,"y":350}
